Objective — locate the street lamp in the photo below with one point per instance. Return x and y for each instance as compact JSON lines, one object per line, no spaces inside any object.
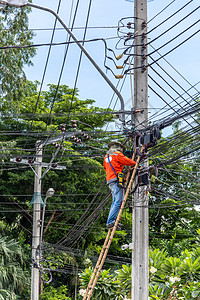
{"x":49,"y":194}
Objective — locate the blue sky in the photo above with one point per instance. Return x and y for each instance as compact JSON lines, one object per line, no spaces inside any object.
{"x":107,"y":13}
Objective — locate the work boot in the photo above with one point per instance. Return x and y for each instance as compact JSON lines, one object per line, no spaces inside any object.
{"x":111,"y":225}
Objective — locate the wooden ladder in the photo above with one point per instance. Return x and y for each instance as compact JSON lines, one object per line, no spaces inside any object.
{"x":109,"y":237}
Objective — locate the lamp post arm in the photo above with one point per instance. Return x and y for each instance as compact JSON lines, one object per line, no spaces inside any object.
{"x":21,"y":3}
{"x":86,"y":53}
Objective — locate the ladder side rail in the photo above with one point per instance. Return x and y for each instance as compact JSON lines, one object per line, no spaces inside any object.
{"x":97,"y":265}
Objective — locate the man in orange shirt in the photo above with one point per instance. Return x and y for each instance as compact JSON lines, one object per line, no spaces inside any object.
{"x":113,"y":164}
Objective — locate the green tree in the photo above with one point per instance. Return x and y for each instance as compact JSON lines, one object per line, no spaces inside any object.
{"x":124,"y":279}
{"x":52,"y":293}
{"x":14,"y":32}
{"x":107,"y":287}
{"x":83,"y":174}
{"x":176,"y":277}
{"x":14,"y":280}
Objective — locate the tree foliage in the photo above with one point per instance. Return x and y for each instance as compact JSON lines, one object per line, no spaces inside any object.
{"x":170,"y":278}
{"x":14,"y":279}
{"x":14,"y":32}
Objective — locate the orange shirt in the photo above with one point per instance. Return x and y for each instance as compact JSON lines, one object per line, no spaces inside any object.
{"x":118,"y":160}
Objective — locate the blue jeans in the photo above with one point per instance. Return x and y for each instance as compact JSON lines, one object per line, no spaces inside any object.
{"x":117,"y":195}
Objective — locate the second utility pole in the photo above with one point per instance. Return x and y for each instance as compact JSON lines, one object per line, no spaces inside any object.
{"x":140,"y":269}
{"x":36,"y":224}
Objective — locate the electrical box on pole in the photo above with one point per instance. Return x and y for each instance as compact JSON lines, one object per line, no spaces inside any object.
{"x":140,"y":269}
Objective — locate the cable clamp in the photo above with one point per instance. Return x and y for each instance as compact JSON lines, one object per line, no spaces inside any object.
{"x":144,"y":68}
{"x":143,"y":25}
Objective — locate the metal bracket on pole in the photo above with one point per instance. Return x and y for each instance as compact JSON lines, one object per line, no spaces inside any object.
{"x":34,"y":171}
{"x":36,"y":197}
{"x":127,"y":246}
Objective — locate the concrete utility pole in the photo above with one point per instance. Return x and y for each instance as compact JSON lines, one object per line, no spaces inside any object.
{"x":36,"y":224}
{"x":140,"y":277}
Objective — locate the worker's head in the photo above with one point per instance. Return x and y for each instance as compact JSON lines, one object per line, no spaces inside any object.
{"x":116,"y":146}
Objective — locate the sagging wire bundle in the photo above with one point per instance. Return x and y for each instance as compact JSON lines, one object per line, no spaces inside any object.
{"x":83,"y":224}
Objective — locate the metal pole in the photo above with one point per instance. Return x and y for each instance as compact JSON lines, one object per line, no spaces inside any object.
{"x":36,"y":224}
{"x":140,"y":279}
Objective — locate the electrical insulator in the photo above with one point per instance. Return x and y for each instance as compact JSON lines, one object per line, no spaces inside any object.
{"x":119,"y":56}
{"x":129,"y":36}
{"x":63,"y":128}
{"x":116,"y":116}
{"x":144,"y":69}
{"x":75,"y":139}
{"x":88,"y":137}
{"x":54,"y":144}
{"x":144,"y":25}
{"x":79,"y":141}
{"x":31,"y":161}
{"x":144,"y":57}
{"x":137,"y":111}
{"x":18,"y":159}
{"x":118,"y":76}
{"x":84,"y":135}
{"x":57,"y":145}
{"x":54,"y":165}
{"x":74,"y":125}
{"x":72,"y":137}
{"x":129,"y":25}
{"x":143,"y":35}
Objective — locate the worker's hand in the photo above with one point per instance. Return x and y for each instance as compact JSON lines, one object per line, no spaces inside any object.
{"x":131,"y":167}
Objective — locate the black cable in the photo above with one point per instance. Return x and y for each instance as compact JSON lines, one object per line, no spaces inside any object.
{"x":80,"y":58}
{"x":164,"y":99}
{"x":173,"y":87}
{"x":175,"y":46}
{"x":168,"y":42}
{"x":46,"y":63}
{"x":63,"y":64}
{"x":171,"y":15}
{"x":162,"y":11}
{"x":55,"y":44}
{"x":192,"y":86}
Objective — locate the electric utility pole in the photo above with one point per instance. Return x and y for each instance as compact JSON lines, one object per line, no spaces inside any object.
{"x":37,"y":201}
{"x":140,"y":269}
{"x":36,"y":224}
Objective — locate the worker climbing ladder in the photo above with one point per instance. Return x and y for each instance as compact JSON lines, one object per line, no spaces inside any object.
{"x":109,"y":237}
